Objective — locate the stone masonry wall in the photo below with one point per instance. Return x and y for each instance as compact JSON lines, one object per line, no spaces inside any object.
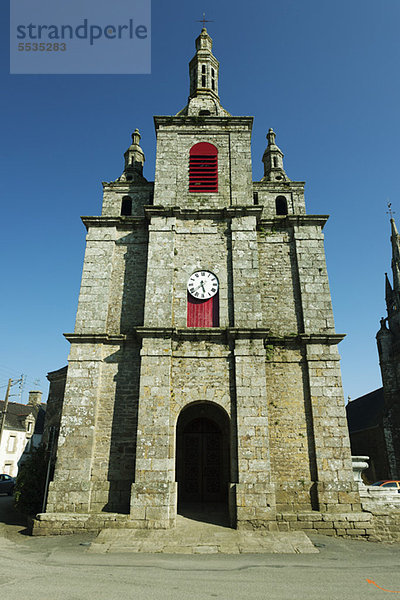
{"x":337,"y":491}
{"x":316,"y":301}
{"x":114,"y":449}
{"x":231,"y":136}
{"x":96,"y":285}
{"x":291,"y":435}
{"x":128,"y":281}
{"x":279,"y":294}
{"x":141,"y":194}
{"x":70,"y":490}
{"x":267,"y":192}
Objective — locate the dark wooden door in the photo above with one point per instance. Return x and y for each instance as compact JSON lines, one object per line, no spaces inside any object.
{"x":202,"y":472}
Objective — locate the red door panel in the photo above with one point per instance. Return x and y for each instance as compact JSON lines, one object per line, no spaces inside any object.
{"x":202,"y":313}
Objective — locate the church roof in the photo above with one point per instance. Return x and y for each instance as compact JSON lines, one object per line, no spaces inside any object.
{"x":366,"y":411}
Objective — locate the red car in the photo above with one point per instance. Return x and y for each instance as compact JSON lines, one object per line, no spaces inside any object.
{"x":388,"y":483}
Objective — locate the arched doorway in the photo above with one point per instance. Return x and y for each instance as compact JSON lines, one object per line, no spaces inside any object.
{"x":202,"y":455}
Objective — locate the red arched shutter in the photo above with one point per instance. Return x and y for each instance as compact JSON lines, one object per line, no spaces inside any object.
{"x":203,"y":313}
{"x":203,"y":168}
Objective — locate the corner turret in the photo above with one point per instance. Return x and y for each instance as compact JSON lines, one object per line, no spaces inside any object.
{"x":134,"y":161}
{"x":273,"y":160}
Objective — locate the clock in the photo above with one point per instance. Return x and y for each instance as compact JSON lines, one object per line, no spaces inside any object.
{"x":202,"y":285}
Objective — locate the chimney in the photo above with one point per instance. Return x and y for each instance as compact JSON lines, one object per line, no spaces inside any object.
{"x":35,"y":399}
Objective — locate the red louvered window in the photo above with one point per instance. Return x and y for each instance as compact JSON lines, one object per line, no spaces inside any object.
{"x":203,"y":168}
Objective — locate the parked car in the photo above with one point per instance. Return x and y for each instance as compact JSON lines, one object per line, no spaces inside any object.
{"x":388,"y":483}
{"x":7,"y":484}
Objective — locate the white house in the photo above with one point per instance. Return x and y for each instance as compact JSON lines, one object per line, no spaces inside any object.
{"x":22,"y":432}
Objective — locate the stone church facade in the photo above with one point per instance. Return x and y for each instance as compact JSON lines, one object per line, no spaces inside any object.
{"x":204,"y":364}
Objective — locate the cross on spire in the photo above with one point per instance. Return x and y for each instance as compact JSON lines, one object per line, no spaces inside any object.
{"x":390,"y":211}
{"x":204,"y":20}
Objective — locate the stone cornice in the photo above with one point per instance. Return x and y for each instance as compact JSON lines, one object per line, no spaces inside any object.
{"x":330,"y":339}
{"x":295,"y":220}
{"x":227,"y":212}
{"x":277,"y":186}
{"x":208,"y":121}
{"x":321,"y":338}
{"x":97,"y":338}
{"x":118,"y":222}
{"x":222,"y":334}
{"x":127,"y":186}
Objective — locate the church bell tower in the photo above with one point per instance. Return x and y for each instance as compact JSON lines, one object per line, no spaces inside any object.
{"x":204,"y":365}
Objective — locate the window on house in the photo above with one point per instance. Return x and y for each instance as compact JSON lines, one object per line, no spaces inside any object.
{"x":8,"y":466}
{"x":11,"y":443}
{"x":29,"y":426}
{"x":126,"y":206}
{"x":255,"y":197}
{"x":281,"y":205}
{"x":275,"y":161}
{"x":203,"y":168}
{"x":212,"y":79}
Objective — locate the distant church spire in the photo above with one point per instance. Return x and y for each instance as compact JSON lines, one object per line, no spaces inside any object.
{"x":388,"y":291}
{"x":395,"y":239}
{"x":203,"y":73}
{"x":273,"y":160}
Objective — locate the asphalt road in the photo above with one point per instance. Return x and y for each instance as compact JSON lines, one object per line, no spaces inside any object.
{"x":60,"y":568}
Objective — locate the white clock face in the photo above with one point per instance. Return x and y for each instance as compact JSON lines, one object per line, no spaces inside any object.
{"x":202,"y":285}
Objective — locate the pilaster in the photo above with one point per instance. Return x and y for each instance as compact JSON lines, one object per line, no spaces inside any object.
{"x":154,"y":493}
{"x":336,"y":489}
{"x":316,"y":304}
{"x":71,"y":489}
{"x":255,"y":494}
{"x":95,"y":290}
{"x":245,"y":273}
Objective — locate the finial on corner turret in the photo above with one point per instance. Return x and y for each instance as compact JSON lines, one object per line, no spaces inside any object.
{"x":204,"y":21}
{"x":271,"y":135}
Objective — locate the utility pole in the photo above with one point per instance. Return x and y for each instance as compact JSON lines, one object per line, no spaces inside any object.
{"x":3,"y":416}
{"x":21,"y":387}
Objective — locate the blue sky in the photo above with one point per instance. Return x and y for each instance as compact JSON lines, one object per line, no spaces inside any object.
{"x":324,"y":75}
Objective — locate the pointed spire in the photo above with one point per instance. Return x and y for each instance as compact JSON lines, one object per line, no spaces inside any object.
{"x":395,"y":239}
{"x":273,"y":160}
{"x":134,"y":159}
{"x":203,"y":73}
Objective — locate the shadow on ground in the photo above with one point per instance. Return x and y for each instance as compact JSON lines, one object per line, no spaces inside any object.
{"x":10,"y":516}
{"x":217,"y":514}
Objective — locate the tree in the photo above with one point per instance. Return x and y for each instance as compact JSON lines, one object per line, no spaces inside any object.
{"x":31,"y":480}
